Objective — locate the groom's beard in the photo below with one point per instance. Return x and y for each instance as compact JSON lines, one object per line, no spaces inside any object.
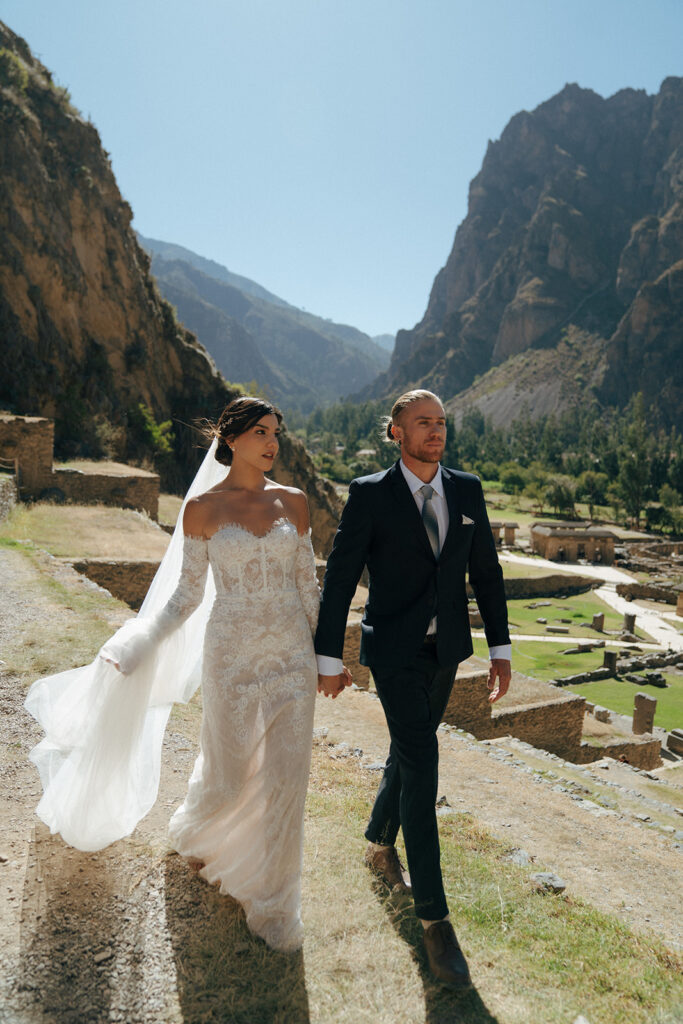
{"x":423,"y":453}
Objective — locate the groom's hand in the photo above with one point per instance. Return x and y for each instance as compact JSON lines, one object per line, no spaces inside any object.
{"x":500,"y":670}
{"x":332,"y":686}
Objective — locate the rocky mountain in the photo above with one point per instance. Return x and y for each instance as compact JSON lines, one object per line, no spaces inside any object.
{"x":300,"y":359}
{"x":565,"y":281}
{"x":85,"y":336}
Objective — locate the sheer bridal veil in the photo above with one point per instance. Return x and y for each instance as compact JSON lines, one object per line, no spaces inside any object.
{"x":100,"y":760}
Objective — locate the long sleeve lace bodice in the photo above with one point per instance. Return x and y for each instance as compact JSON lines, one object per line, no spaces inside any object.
{"x":138,"y":638}
{"x":307,"y":580}
{"x":279,"y":563}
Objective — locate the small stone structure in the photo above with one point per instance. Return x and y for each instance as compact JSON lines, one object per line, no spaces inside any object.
{"x":29,"y":441}
{"x":572,"y":542}
{"x":508,"y":532}
{"x":644,"y":713}
{"x":8,"y":494}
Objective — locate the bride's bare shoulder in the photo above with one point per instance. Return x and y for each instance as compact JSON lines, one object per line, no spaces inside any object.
{"x":196,"y":515}
{"x":295,"y":505}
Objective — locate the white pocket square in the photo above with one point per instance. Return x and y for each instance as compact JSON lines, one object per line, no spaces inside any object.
{"x":466,"y":521}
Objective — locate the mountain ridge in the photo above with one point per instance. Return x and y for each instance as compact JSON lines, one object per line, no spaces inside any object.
{"x":574,"y":224}
{"x":301,"y":359}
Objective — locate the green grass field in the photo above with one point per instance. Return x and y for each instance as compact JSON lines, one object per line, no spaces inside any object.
{"x":576,"y":609}
{"x":618,"y":695}
{"x":545,"y":661}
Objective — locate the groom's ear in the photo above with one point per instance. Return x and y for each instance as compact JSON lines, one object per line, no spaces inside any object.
{"x":396,"y":432}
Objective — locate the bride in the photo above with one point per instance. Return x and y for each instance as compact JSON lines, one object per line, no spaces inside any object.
{"x":240,"y":576}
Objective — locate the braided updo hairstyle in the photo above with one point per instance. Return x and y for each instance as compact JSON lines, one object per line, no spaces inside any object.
{"x":237,"y":417}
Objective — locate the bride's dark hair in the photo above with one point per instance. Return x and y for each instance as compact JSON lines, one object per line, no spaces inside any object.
{"x":237,"y":417}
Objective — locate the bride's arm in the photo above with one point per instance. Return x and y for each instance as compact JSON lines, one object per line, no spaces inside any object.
{"x":304,"y":569}
{"x":138,"y":637}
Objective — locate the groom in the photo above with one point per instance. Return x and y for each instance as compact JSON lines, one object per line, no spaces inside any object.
{"x":418,"y":527}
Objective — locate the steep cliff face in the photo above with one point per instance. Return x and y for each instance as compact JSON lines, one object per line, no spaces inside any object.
{"x":574,"y":228}
{"x":85,"y":337}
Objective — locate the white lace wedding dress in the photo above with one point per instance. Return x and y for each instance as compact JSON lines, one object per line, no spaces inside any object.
{"x":244,"y":810}
{"x":243,"y":813}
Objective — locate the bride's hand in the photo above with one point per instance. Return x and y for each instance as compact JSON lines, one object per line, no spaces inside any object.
{"x":114,"y":663}
{"x":332,"y":686}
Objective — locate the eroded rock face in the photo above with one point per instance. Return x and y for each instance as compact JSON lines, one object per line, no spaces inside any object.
{"x":85,"y":337}
{"x":575,"y":216}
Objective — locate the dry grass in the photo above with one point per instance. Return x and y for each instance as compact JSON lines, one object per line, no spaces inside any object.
{"x":169,"y":507}
{"x":100,"y":467}
{"x":533,"y":957}
{"x":86,"y":531}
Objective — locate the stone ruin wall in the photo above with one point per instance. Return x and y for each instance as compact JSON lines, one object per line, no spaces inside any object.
{"x":554,"y":725}
{"x":30,"y":440}
{"x":138,"y":492}
{"x":554,"y":585}
{"x":639,"y":753}
{"x":647,"y":591}
{"x":127,"y":581}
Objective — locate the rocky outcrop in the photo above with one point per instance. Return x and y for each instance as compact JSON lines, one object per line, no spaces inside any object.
{"x":85,"y":337}
{"x":574,"y":231}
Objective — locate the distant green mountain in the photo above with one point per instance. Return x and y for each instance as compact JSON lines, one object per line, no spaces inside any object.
{"x":301,"y":360}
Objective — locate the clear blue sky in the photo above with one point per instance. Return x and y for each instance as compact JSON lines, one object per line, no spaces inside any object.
{"x":324,"y":147}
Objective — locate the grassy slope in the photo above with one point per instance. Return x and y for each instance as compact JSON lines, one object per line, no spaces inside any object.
{"x":533,"y":956}
{"x":86,"y":531}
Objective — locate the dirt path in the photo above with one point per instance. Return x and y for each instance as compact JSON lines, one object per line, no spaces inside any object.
{"x":99,"y":937}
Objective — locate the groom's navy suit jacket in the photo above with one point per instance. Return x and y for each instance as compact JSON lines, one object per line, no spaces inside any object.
{"x":381,"y":527}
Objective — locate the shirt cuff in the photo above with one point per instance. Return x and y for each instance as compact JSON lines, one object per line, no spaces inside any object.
{"x":329,"y":666}
{"x":503,"y":651}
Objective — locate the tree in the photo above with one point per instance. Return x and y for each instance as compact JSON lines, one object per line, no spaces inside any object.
{"x":633,"y":461}
{"x":671,"y":502}
{"x":592,"y":488}
{"x":512,"y":478}
{"x":559,"y":494}
{"x":536,"y":491}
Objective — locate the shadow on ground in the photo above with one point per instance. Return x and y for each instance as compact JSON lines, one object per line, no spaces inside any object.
{"x":442,"y":1005}
{"x":224,"y":973}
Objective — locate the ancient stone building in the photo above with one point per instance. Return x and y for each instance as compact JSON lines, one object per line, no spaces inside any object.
{"x":572,"y":542}
{"x":26,"y":442}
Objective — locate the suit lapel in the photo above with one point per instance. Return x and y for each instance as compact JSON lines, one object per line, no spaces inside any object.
{"x":408,"y":510}
{"x":450,"y":488}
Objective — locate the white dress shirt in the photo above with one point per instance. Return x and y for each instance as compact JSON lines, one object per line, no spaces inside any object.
{"x":328,"y":666}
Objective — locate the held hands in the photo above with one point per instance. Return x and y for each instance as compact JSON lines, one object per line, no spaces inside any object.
{"x":502,"y":671}
{"x":332,"y":686}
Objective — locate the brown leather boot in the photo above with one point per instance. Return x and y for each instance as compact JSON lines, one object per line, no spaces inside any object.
{"x":446,"y":960}
{"x":385,"y":863}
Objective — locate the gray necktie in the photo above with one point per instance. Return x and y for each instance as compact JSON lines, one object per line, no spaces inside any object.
{"x":429,"y":518}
